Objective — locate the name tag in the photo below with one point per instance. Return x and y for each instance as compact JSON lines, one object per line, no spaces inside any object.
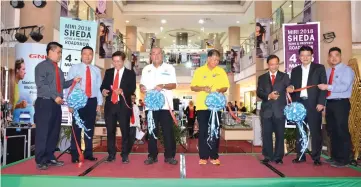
{"x":165,"y":73}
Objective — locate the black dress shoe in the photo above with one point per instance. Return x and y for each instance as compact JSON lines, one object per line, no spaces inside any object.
{"x":265,"y":161}
{"x":125,"y":160}
{"x":297,"y":160}
{"x":91,"y":158}
{"x":110,"y":159}
{"x":278,"y":161}
{"x":171,"y":161}
{"x":75,"y":160}
{"x":55,"y":163}
{"x":41,"y":166}
{"x":317,"y":163}
{"x":150,"y":161}
{"x":338,"y":165}
{"x":330,"y":161}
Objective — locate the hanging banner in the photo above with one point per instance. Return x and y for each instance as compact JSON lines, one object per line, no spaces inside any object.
{"x":24,"y":87}
{"x":262,"y":35}
{"x":307,"y":13}
{"x":106,"y":38}
{"x":64,"y":8}
{"x":101,"y":7}
{"x":74,"y":35}
{"x":297,"y":35}
{"x":235,"y":59}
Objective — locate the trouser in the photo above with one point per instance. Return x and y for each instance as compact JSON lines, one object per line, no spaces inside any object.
{"x":165,"y":120}
{"x":314,"y":120}
{"x":190,"y":126}
{"x":117,"y":113}
{"x":337,"y":113}
{"x":270,"y":125}
{"x":207,"y":151}
{"x":88,"y":115}
{"x":132,"y":134}
{"x":48,"y":122}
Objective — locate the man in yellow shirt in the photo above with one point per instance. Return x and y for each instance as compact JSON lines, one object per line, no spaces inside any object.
{"x":208,"y":78}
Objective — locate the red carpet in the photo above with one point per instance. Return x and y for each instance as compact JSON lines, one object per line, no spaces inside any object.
{"x":136,"y":168}
{"x":232,"y":147}
{"x":69,"y":169}
{"x":232,"y":166}
{"x":307,"y":169}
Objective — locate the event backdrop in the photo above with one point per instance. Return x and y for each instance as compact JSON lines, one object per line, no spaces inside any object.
{"x":32,"y":53}
{"x":295,"y":36}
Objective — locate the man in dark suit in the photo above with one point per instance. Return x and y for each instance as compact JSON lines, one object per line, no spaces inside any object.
{"x":118,"y":82}
{"x":313,"y":99}
{"x":272,"y":90}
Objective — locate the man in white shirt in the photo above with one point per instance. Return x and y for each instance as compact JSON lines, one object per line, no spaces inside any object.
{"x":160,"y":76}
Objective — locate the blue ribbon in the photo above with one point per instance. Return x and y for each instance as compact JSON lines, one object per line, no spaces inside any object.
{"x":296,"y":112}
{"x":77,"y":100}
{"x":215,"y":102}
{"x":154,"y":100}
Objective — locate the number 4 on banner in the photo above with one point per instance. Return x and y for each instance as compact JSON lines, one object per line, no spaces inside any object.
{"x":68,"y":58}
{"x":293,"y":58}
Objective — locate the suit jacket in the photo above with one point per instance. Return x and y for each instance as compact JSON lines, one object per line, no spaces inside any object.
{"x":317,"y":75}
{"x":264,"y":88}
{"x":127,"y":84}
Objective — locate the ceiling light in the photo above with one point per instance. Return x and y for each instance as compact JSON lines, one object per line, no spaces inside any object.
{"x":164,"y":37}
{"x":173,"y":41}
{"x":17,"y":4}
{"x":127,"y":21}
{"x":189,"y":40}
{"x":39,"y":3}
{"x":201,"y":21}
{"x":22,"y":38}
{"x":36,"y":35}
{"x":237,"y":21}
{"x":290,"y":6}
{"x":161,"y":29}
{"x":163,"y":21}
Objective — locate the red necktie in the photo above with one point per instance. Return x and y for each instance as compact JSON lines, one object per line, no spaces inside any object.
{"x":132,"y":118}
{"x":115,"y":86}
{"x":57,"y":77}
{"x":88,"y":86}
{"x":330,"y":80}
{"x":273,"y":79}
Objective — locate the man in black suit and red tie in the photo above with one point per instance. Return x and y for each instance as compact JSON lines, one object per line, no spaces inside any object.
{"x":314,"y":99}
{"x":118,"y":82}
{"x":272,"y":90}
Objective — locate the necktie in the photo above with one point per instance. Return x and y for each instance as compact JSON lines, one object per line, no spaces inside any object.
{"x":115,"y":86}
{"x":88,"y":86}
{"x":330,"y":80}
{"x":57,"y":77}
{"x":273,"y":79}
{"x":132,"y":119}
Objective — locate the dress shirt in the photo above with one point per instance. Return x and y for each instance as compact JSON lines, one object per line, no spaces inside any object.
{"x":342,"y":82}
{"x":136,"y":116}
{"x":79,"y":70}
{"x":305,"y":73}
{"x":270,"y":75}
{"x":121,"y":71}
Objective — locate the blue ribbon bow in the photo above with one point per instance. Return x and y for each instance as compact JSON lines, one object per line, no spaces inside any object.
{"x":77,"y":100}
{"x":154,"y":100}
{"x":214,"y":101}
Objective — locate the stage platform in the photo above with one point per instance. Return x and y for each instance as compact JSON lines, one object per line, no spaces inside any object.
{"x":235,"y":170}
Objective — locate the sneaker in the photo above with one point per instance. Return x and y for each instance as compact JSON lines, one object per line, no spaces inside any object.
{"x":171,"y":161}
{"x":150,"y":161}
{"x":216,"y":162}
{"x":202,"y":162}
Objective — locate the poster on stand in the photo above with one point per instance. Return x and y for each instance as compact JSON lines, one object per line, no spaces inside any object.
{"x":74,"y":35}
{"x":297,"y":35}
{"x":262,"y":35}
{"x":24,"y":87}
{"x":106,"y":38}
{"x":195,"y":59}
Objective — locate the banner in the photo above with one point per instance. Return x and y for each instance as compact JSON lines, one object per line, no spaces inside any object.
{"x":101,"y":7}
{"x":74,"y":35}
{"x":294,"y":37}
{"x":235,"y":59}
{"x":64,"y":8}
{"x":307,"y":13}
{"x":25,"y":89}
{"x":262,"y":35}
{"x":195,"y":58}
{"x":106,"y":38}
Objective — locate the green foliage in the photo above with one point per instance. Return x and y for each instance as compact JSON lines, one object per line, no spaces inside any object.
{"x":290,"y":137}
{"x":178,"y":134}
{"x":65,"y":134}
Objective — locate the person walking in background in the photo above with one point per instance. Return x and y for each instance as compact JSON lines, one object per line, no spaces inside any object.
{"x":339,"y":89}
{"x":191,"y":114}
{"x":272,"y":90}
{"x":208,"y":78}
{"x":50,"y":82}
{"x":92,"y":80}
{"x":134,"y":123}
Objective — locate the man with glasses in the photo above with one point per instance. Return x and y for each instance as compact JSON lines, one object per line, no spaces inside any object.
{"x":313,"y":99}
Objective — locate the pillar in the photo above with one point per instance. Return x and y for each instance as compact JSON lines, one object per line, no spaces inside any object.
{"x":335,"y":18}
{"x":131,"y":37}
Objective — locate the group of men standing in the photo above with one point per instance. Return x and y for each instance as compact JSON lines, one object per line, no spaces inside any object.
{"x":118,"y":87}
{"x":319,"y":90}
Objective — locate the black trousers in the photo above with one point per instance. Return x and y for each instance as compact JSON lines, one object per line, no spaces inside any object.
{"x":88,"y":115}
{"x":190,"y":126}
{"x":117,"y":113}
{"x":205,"y":152}
{"x":165,"y":120}
{"x":314,"y":120}
{"x":337,"y":113}
{"x":48,"y":122}
{"x":132,"y":134}
{"x":270,"y":125}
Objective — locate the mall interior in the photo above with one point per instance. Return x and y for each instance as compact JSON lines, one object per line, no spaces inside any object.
{"x":186,"y":30}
